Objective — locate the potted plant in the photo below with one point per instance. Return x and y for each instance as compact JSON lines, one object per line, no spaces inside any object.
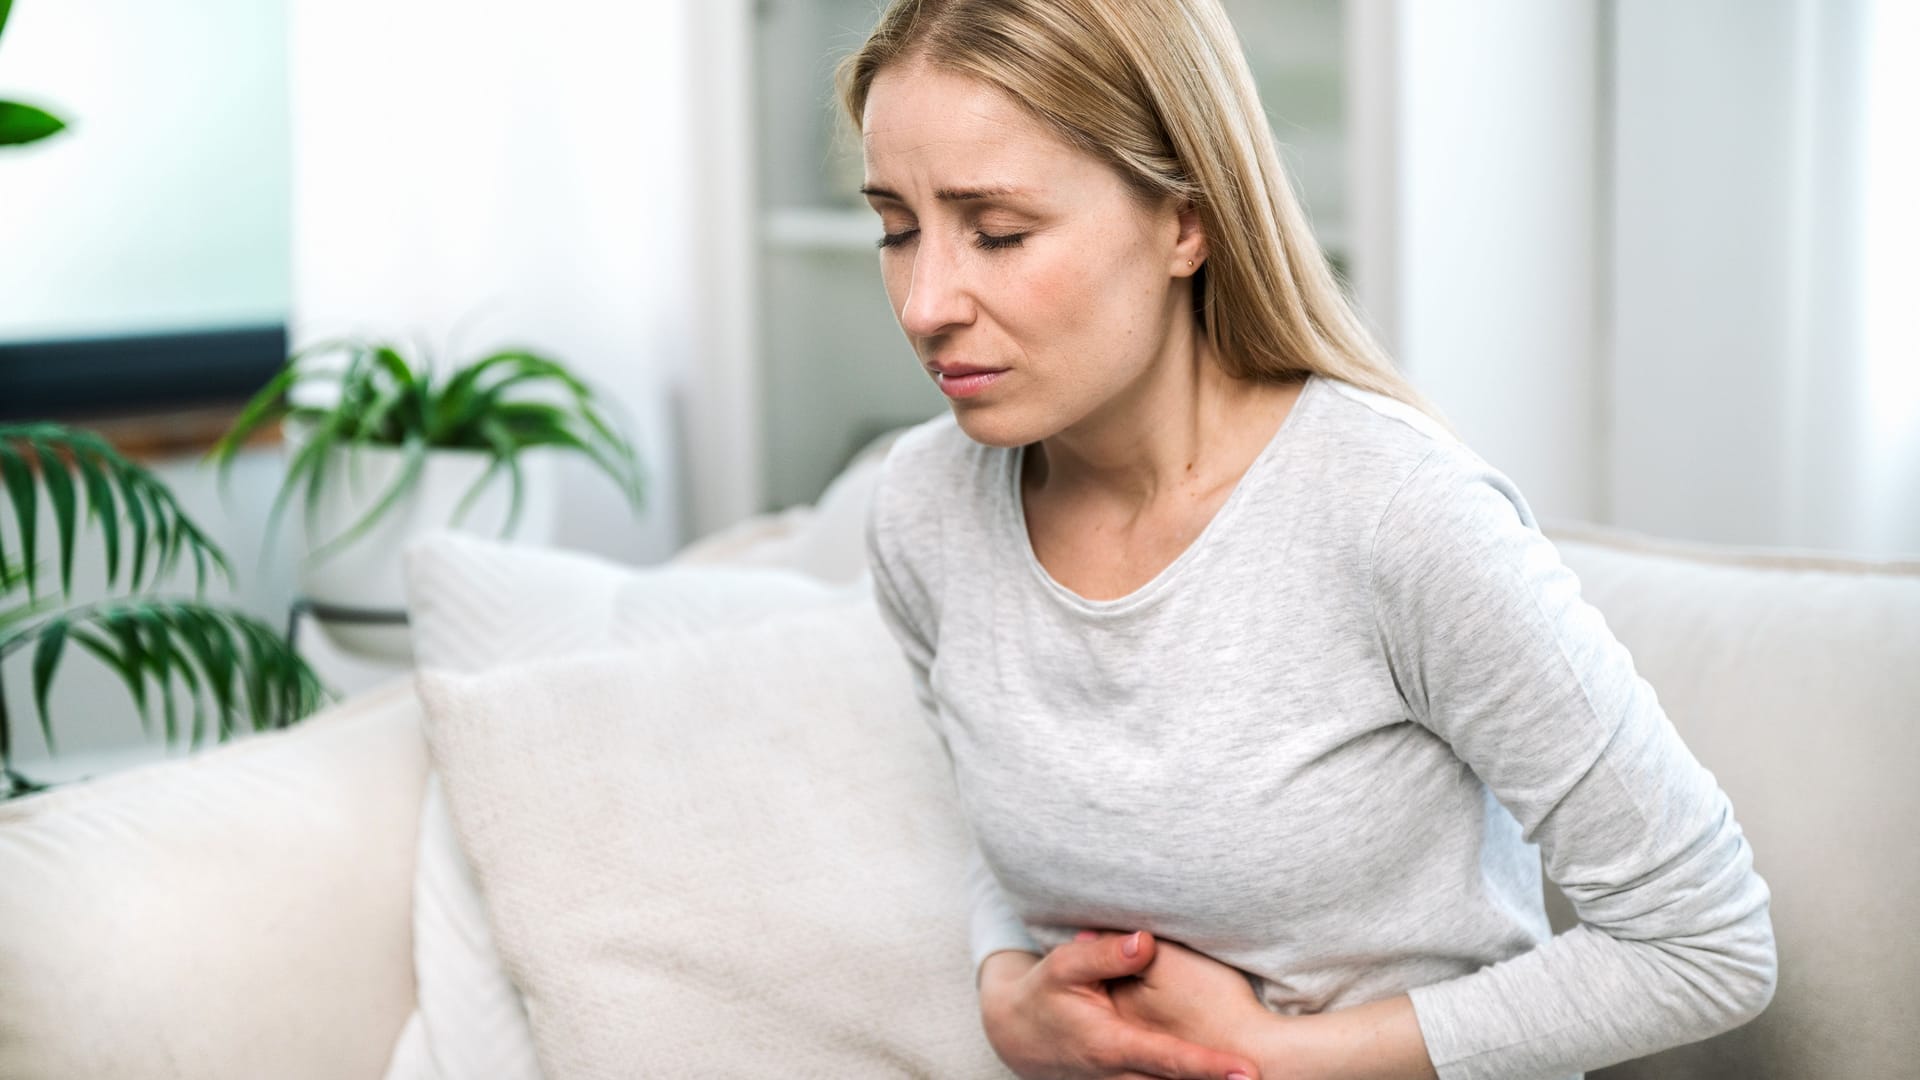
{"x":218,"y":656}
{"x":383,"y":449}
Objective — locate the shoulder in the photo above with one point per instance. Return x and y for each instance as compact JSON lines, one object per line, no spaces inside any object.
{"x":1440,"y":524}
{"x":1389,"y":465}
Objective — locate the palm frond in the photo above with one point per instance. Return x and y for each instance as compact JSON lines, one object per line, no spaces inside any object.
{"x":225,"y":663}
{"x":54,"y":453}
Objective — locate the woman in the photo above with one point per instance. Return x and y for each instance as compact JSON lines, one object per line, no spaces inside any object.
{"x":1259,"y":686}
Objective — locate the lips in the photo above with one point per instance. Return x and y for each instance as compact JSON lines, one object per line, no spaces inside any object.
{"x":957,"y":381}
{"x":948,"y":371}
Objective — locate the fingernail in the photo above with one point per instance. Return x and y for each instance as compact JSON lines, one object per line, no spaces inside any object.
{"x":1085,"y":935}
{"x":1131,"y":947}
{"x":1236,"y":1075}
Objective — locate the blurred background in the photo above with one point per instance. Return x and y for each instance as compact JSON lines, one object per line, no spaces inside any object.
{"x":1654,"y":260}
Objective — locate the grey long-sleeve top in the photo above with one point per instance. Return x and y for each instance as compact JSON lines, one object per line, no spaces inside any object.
{"x":1327,"y":745}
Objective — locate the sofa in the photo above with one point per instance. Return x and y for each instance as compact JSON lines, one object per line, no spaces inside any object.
{"x":258,"y":910}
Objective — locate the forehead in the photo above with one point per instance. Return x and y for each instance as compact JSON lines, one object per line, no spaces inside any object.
{"x":920,"y":119}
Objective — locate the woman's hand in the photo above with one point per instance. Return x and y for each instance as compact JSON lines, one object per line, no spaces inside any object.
{"x":1192,"y":996}
{"x":1052,"y":1018}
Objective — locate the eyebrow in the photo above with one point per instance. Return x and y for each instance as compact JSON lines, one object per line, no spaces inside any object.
{"x":948,"y":194}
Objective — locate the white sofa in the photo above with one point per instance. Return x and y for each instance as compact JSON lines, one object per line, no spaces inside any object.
{"x":246,"y":912}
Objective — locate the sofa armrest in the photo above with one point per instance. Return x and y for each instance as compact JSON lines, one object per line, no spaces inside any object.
{"x":240,"y":913}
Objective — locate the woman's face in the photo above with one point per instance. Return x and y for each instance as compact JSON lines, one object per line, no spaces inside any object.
{"x":1010,"y":252}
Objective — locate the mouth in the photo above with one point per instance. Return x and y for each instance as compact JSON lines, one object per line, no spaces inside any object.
{"x":947,"y":371}
{"x":964,"y":380}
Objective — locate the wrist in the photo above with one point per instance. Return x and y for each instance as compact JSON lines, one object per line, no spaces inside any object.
{"x":1285,"y":1049}
{"x":1003,"y":966}
{"x":1379,"y":1040}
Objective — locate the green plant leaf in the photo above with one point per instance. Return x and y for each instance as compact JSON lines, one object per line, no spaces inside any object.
{"x":59,"y":483}
{"x":20,"y":613}
{"x":5,"y":7}
{"x":26,"y":504}
{"x":305,"y":469}
{"x":504,"y":450}
{"x":226,"y":666}
{"x":22,"y":124}
{"x":137,"y":517}
{"x":217,"y":655}
{"x":127,"y":633}
{"x":100,"y":507}
{"x":159,"y":655}
{"x":46,"y":656}
{"x":414,"y":458}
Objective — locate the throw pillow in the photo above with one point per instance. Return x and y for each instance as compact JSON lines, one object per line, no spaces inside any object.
{"x":733,"y":852}
{"x":475,"y":604}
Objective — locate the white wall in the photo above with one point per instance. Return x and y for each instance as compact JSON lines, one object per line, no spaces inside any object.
{"x":164,"y":204}
{"x":1752,"y":396}
{"x":476,"y":171}
{"x":1477,"y":171}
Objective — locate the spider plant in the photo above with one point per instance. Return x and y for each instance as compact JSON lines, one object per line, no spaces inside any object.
{"x":221,"y":656}
{"x":378,"y":398}
{"x":20,"y":124}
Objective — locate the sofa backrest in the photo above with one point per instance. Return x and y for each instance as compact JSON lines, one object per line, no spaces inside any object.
{"x":1796,"y":681}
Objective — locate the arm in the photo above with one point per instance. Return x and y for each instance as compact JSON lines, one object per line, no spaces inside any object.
{"x":1495,"y":652}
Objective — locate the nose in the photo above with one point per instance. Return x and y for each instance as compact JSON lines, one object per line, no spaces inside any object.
{"x":938,"y":296}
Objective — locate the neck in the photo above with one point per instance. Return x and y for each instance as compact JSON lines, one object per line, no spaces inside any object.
{"x":1182,"y":431}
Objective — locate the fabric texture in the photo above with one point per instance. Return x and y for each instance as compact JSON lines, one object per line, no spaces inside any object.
{"x":1329,"y":744}
{"x":223,"y":916}
{"x":737,"y":860}
{"x":477,"y":604}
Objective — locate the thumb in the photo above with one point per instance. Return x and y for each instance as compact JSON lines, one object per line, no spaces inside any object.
{"x":1104,"y":957}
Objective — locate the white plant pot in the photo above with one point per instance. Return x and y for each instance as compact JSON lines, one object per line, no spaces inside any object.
{"x":366,"y":574}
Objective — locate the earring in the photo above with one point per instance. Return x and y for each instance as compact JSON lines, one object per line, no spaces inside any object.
{"x":1189,"y":264}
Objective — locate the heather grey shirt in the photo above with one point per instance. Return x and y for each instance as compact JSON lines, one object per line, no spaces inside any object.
{"x":1327,"y":745}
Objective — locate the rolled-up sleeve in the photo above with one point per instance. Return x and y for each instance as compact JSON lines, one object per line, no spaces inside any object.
{"x":1494,"y":650}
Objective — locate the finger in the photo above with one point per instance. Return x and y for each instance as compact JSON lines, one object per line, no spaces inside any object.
{"x":1160,"y":1055}
{"x":1102,"y":959}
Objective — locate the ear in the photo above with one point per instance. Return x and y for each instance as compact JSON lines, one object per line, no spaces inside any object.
{"x":1190,"y":247}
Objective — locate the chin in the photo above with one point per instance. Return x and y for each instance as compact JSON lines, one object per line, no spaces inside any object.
{"x":995,"y":426}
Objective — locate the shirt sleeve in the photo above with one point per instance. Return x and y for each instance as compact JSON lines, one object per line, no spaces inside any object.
{"x":1494,"y":651}
{"x":993,"y":926}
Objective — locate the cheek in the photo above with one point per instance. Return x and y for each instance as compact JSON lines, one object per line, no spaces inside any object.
{"x":896,"y":276}
{"x":1087,"y":293}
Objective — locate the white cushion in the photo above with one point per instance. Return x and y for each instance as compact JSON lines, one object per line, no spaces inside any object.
{"x":735,"y":852}
{"x":223,"y":916}
{"x":476,"y":604}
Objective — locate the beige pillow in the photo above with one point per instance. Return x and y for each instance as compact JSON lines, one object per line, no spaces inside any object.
{"x":476,"y":603}
{"x":735,"y":852}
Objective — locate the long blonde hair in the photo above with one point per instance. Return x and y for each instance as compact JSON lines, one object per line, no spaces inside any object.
{"x":1160,"y":90}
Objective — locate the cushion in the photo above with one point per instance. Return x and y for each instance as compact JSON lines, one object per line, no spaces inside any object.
{"x":222,"y":916}
{"x":475,"y":604}
{"x":732,"y":852}
{"x":1793,"y":679}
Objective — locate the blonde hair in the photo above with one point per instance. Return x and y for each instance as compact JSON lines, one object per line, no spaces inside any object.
{"x":1160,"y":90}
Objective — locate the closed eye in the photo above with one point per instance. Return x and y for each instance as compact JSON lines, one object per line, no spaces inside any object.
{"x":985,"y":241}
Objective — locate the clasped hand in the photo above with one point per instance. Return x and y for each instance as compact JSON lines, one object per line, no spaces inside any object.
{"x":1116,"y":1006}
